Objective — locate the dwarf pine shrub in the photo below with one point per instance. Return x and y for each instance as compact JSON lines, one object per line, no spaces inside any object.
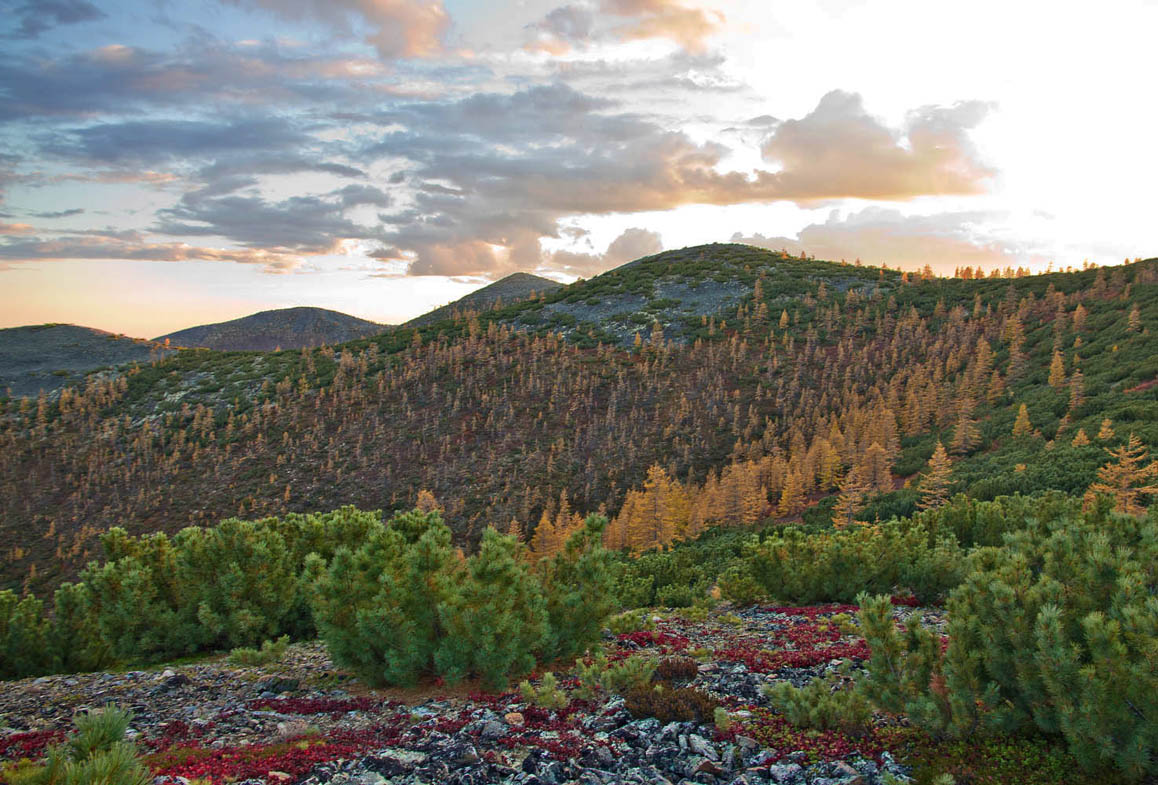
{"x":578,"y":586}
{"x":271,"y":651}
{"x":494,"y":615}
{"x":828,"y":703}
{"x":377,"y":607}
{"x":96,"y":754}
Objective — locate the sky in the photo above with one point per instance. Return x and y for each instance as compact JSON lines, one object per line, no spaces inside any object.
{"x":165,"y":164}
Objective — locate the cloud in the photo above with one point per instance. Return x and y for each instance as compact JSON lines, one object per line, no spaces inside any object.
{"x":633,"y":244}
{"x":497,"y":172}
{"x":39,"y":16}
{"x":398,"y":28}
{"x":877,"y":235}
{"x":164,"y":140}
{"x":60,"y":213}
{"x":583,"y":24}
{"x":839,"y":150}
{"x":16,"y":229}
{"x":307,"y":224}
{"x":132,"y":246}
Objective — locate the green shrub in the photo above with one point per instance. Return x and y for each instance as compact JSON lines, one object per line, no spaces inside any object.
{"x":628,"y":674}
{"x":905,"y":672}
{"x":823,"y":704}
{"x":598,"y":676}
{"x":270,"y":652}
{"x":495,"y":617}
{"x":578,"y":585}
{"x":547,"y":695}
{"x":739,"y":586}
{"x":631,"y":621}
{"x":834,"y":567}
{"x":377,"y":607}
{"x":96,"y":754}
{"x":679,"y":704}
{"x":1057,"y":629}
{"x":24,"y":636}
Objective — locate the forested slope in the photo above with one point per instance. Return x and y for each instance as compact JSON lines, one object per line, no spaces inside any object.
{"x":758,"y":390}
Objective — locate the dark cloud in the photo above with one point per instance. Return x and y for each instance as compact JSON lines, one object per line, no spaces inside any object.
{"x":163,"y":141}
{"x":877,"y":235}
{"x":38,"y":16}
{"x":307,"y":224}
{"x":59,"y":213}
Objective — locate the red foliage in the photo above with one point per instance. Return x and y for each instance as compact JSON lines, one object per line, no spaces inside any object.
{"x":257,"y":761}
{"x":781,"y":737}
{"x":28,"y":745}
{"x":644,"y":638}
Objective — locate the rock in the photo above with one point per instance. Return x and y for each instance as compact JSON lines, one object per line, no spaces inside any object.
{"x":700,"y":746}
{"x":846,"y":774}
{"x":279,"y":776}
{"x":514,"y":718}
{"x":786,"y":774}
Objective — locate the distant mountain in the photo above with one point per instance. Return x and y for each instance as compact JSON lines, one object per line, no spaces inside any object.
{"x":48,"y":356}
{"x":513,"y":288}
{"x":285,"y":328}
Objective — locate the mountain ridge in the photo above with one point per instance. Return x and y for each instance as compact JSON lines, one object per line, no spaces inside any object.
{"x":298,"y":327}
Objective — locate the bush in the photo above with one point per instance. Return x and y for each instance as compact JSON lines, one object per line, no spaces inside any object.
{"x":631,"y":621}
{"x":1054,"y":631}
{"x":32,"y":644}
{"x":680,"y":704}
{"x":271,"y":651}
{"x":23,"y":637}
{"x":547,"y":695}
{"x":905,"y":672}
{"x":1079,"y":662}
{"x":676,"y":669}
{"x":377,"y":607}
{"x":597,"y":676}
{"x":834,"y":567}
{"x":739,"y":586}
{"x":96,"y":754}
{"x":495,"y":618}
{"x":578,"y":585}
{"x":830,"y":703}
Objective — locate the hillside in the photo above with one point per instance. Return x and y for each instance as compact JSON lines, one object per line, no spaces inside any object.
{"x":284,"y":328}
{"x":512,"y":289}
{"x":48,"y":356}
{"x":759,"y":388}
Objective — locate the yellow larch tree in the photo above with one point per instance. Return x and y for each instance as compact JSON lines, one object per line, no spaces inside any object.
{"x":935,"y":482}
{"x":1126,"y":477}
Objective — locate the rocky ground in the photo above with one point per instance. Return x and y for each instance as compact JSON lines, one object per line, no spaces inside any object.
{"x":303,"y":721}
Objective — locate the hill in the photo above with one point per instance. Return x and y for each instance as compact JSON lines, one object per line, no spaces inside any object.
{"x":284,"y":328}
{"x":512,"y":289}
{"x":760,"y":382}
{"x":48,"y":356}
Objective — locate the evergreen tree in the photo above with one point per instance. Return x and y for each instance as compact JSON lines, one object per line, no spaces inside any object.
{"x":578,"y":583}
